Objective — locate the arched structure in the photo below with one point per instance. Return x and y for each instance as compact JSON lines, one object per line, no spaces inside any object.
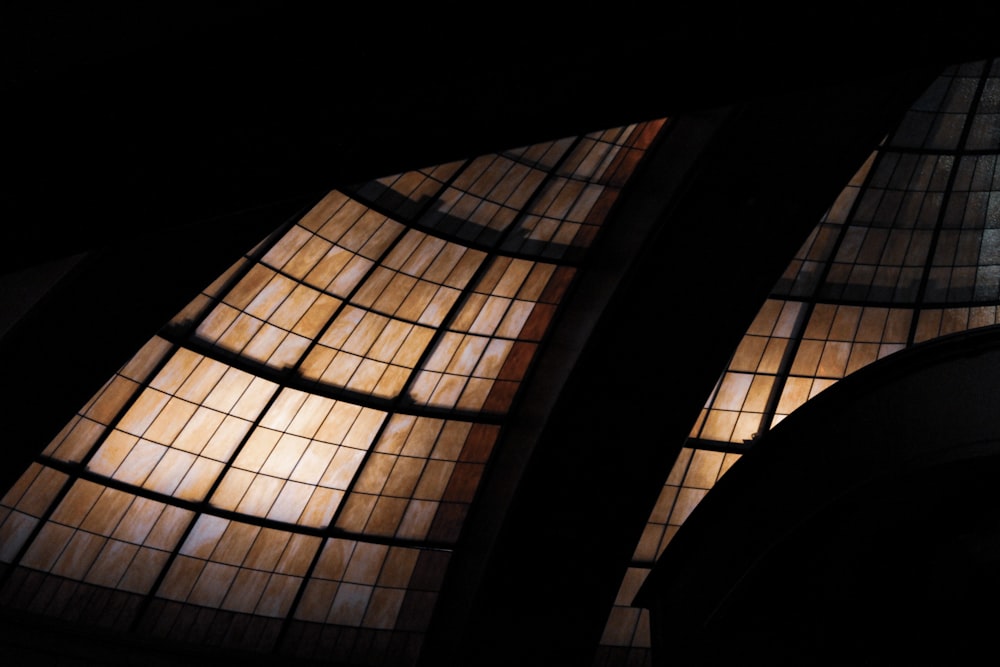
{"x":888,"y":554}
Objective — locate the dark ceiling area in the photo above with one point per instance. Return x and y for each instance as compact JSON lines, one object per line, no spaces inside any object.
{"x":167,"y":114}
{"x":155,"y":139}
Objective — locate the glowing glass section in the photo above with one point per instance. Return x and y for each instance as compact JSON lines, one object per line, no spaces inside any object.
{"x":287,"y":467}
{"x":180,"y":431}
{"x":909,"y":251}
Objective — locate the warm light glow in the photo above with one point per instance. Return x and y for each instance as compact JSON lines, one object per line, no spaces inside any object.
{"x":301,"y":444}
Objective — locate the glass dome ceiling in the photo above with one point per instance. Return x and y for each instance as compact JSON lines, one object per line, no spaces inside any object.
{"x":294,"y":455}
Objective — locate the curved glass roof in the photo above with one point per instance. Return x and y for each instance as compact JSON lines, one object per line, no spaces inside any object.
{"x":909,"y":251}
{"x":294,"y":455}
{"x":287,"y":467}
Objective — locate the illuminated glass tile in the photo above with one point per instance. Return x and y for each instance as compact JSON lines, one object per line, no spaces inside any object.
{"x":180,"y":432}
{"x":296,"y":465}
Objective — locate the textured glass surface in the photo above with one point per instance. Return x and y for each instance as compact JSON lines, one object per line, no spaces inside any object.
{"x":288,"y":466}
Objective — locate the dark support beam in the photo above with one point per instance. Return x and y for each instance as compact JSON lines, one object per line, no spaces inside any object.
{"x":756,"y":191}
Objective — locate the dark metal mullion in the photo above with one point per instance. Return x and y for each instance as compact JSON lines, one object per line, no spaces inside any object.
{"x":918,"y":304}
{"x":199,"y":506}
{"x":940,"y":152}
{"x":295,"y":381}
{"x":879,"y":303}
{"x":717,"y":446}
{"x":788,"y":357}
{"x":488,"y":248}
